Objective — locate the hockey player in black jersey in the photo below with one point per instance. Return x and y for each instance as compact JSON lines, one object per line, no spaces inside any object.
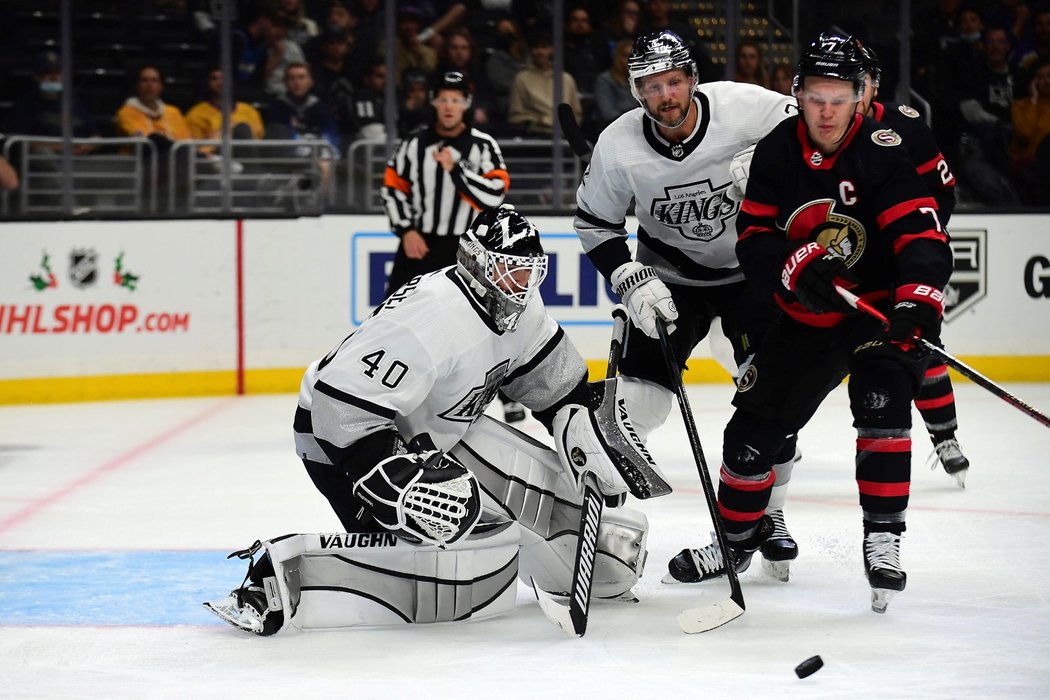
{"x":936,"y":399}
{"x":833,"y":200}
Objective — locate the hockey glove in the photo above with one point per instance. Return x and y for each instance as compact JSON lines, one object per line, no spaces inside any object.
{"x":740,"y":171}
{"x":916,"y":314}
{"x":429,"y":497}
{"x":811,"y":273}
{"x":646,"y":297}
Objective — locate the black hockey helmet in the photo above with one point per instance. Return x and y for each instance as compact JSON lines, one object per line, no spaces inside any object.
{"x":832,"y":55}
{"x":657,"y":52}
{"x":451,"y":80}
{"x":500,"y":256}
{"x":871,"y":62}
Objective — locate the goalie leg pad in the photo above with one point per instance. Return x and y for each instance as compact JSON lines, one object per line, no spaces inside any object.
{"x":327,"y":581}
{"x":524,"y":480}
{"x":428,"y":497}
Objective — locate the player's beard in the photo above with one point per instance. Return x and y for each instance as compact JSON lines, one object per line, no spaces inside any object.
{"x":684,"y":108}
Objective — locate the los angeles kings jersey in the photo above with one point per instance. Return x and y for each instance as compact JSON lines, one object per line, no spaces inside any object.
{"x":865,"y":204}
{"x":429,"y":360}
{"x":686,"y":221}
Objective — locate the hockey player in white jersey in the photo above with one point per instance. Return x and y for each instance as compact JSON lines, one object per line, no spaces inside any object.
{"x":387,"y":424}
{"x":673,"y":156}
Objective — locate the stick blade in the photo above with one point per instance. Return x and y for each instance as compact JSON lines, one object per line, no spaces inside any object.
{"x":709,"y":617}
{"x":554,"y":611}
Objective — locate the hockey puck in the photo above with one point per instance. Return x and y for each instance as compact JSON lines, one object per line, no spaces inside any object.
{"x":809,"y":666}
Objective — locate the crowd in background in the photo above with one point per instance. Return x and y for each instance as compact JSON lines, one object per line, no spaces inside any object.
{"x":317,"y":68}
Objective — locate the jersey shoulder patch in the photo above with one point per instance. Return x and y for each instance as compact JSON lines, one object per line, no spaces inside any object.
{"x":908,"y":111}
{"x":886,"y":137}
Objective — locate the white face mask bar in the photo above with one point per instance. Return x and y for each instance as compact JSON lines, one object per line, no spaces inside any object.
{"x":516,"y":277}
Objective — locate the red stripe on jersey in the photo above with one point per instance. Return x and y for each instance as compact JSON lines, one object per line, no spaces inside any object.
{"x":934,"y":372}
{"x":902,"y":241}
{"x":901,"y":444}
{"x":739,"y":516}
{"x":903,"y":209}
{"x":876,"y":488}
{"x":754,"y":208}
{"x":751,"y":230}
{"x":745,"y":484}
{"x":939,"y":402}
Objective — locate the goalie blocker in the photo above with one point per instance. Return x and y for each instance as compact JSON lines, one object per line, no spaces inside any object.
{"x":528,"y":529}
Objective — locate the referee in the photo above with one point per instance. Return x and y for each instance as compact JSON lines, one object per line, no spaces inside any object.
{"x":437,"y":180}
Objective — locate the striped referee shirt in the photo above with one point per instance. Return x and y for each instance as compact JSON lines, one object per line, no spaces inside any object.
{"x":418,"y":193}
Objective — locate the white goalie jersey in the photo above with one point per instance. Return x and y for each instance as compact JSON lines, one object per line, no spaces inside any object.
{"x":430,"y":361}
{"x":686,"y":221}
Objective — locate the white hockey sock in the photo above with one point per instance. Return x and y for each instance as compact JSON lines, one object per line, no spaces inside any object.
{"x":648,"y":404}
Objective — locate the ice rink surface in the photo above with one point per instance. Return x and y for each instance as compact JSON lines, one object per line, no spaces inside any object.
{"x":115,"y":520}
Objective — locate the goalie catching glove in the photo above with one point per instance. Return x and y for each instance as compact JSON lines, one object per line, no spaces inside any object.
{"x":646,"y":297}
{"x":429,"y":497}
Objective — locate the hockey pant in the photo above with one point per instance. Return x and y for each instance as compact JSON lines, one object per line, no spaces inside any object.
{"x":529,"y":530}
{"x":790,"y":376}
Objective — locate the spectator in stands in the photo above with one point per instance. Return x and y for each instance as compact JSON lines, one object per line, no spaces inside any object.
{"x":1030,"y":150}
{"x":334,"y":79}
{"x":505,"y":61}
{"x":204,"y":119}
{"x":300,"y":27}
{"x":532,"y":106}
{"x":298,"y":113}
{"x":612,"y":91}
{"x":586,"y":54}
{"x":459,"y":53}
{"x":1040,"y":49}
{"x":147,"y":115}
{"x":750,"y":64}
{"x":657,"y":16}
{"x":341,"y":20}
{"x":369,"y":102}
{"x":40,"y":112}
{"x":624,"y":22}
{"x":280,"y":54}
{"x":1014,"y":16}
{"x":443,"y":16}
{"x":781,"y":78}
{"x":936,"y":29}
{"x":409,"y":50}
{"x":8,"y":176}
{"x":414,"y":109}
{"x":249,"y":51}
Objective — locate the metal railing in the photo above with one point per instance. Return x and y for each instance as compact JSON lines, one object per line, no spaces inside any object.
{"x":266,"y":177}
{"x":108,"y":176}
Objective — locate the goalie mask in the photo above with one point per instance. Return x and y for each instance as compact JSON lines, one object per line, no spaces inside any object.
{"x":833,"y":56}
{"x":501,"y":258}
{"x":657,"y":52}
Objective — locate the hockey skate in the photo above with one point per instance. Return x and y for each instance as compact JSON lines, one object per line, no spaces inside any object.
{"x":779,"y":549}
{"x":950,"y":456}
{"x":882,"y":566}
{"x":695,"y":565}
{"x":513,"y":412}
{"x":247,"y":609}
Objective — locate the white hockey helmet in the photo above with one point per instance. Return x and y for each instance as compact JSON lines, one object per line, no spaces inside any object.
{"x":500,"y":256}
{"x":657,"y":52}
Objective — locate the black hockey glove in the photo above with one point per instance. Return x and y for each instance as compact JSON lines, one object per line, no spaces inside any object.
{"x":916,"y":314}
{"x":811,"y":273}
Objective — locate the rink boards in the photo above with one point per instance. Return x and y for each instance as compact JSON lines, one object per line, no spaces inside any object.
{"x":93,"y":310}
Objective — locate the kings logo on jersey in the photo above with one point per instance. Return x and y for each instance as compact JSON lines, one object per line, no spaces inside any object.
{"x":478,"y":398}
{"x":969,"y":280}
{"x":698,"y":210}
{"x":842,"y":236}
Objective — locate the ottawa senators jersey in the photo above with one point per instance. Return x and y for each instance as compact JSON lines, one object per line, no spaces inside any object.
{"x":924,"y":152}
{"x":864,"y":203}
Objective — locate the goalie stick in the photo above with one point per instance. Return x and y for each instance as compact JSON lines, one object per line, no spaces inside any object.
{"x":703,"y":619}
{"x":573,"y":619}
{"x":570,"y":129}
{"x":956,"y":364}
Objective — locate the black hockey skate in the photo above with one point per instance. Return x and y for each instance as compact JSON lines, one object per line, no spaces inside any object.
{"x":695,"y":565}
{"x":882,"y":565}
{"x":950,"y":455}
{"x":779,"y":549}
{"x":256,"y":606}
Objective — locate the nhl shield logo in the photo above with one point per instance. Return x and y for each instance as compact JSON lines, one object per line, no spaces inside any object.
{"x":83,"y":267}
{"x":969,"y":280}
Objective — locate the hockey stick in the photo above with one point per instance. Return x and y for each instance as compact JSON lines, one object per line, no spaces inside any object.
{"x":956,"y":364}
{"x":703,"y":619}
{"x":570,"y":129}
{"x":573,"y":619}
